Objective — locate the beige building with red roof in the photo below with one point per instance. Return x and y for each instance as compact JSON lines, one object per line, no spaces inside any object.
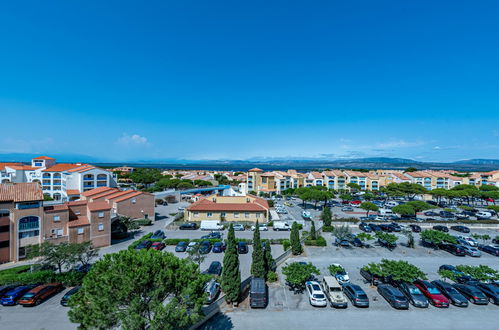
{"x":229,"y":208}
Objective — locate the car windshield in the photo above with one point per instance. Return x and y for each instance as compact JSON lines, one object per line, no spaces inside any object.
{"x":433,"y":290}
{"x":315,"y":287}
{"x":29,"y":295}
{"x":414,"y":290}
{"x":318,"y":296}
{"x":362,"y":296}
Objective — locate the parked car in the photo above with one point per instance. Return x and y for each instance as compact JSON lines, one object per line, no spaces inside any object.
{"x":5,"y":288}
{"x":375,"y":227}
{"x":191,"y":246}
{"x":280,"y":225}
{"x":491,"y":291}
{"x":415,"y":228}
{"x":371,"y":278}
{"x":456,"y":298}
{"x":189,"y":226}
{"x":40,"y":293}
{"x":468,"y":240}
{"x":181,"y":246}
{"x":435,"y":297}
{"x":212,"y":235}
{"x":357,"y":296}
{"x":395,"y":227}
{"x":205,"y":247}
{"x":11,"y":297}
{"x":158,"y":234}
{"x":460,"y":276}
{"x":356,"y":242}
{"x":212,"y":288}
{"x":471,"y":251}
{"x":472,"y":293}
{"x":238,"y":227}
{"x":82,"y":268}
{"x":145,"y":244}
{"x":258,"y":293}
{"x":218,"y":247}
{"x":315,"y":295}
{"x":332,"y":289}
{"x":386,"y":227}
{"x":242,"y":248}
{"x":215,"y":268}
{"x":455,"y":249}
{"x":261,"y":227}
{"x":431,"y":214}
{"x":489,"y":249}
{"x":341,"y":275}
{"x":441,"y":228}
{"x":393,"y":296}
{"x":69,"y":294}
{"x":158,"y":246}
{"x":413,"y":294}
{"x":461,"y":229}
{"x":347,"y":209}
{"x":365,"y":227}
{"x":342,"y":242}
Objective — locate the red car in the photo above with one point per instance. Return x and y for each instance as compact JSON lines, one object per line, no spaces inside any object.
{"x":431,"y":292}
{"x":345,"y":202}
{"x":158,"y":246}
{"x":356,"y":202}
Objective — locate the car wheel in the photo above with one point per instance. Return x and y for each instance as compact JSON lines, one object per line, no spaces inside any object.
{"x":37,"y":302}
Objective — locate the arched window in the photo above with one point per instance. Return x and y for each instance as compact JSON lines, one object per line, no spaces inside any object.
{"x":101,"y":177}
{"x":57,"y":196}
{"x":57,"y":175}
{"x":88,"y":177}
{"x":29,"y":227}
{"x":46,"y":175}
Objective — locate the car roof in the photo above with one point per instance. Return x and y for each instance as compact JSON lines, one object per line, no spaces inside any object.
{"x":331,"y":281}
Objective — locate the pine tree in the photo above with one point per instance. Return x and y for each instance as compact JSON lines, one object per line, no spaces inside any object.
{"x":294,"y":238}
{"x":258,"y":263}
{"x":231,"y":275}
{"x":267,"y":256}
{"x":313,"y":233}
{"x":326,"y":216}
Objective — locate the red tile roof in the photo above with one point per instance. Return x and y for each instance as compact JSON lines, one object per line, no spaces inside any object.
{"x":77,"y":203}
{"x":135,"y":194}
{"x":22,"y":167}
{"x":118,"y":194}
{"x":98,"y":206}
{"x":60,"y":168}
{"x":207,"y":205}
{"x":255,"y":170}
{"x":43,"y":157}
{"x":81,"y":220}
{"x":55,"y":208}
{"x":3,"y":165}
{"x":20,"y":192}
{"x":97,"y":191}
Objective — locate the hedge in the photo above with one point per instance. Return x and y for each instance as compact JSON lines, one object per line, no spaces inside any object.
{"x":320,"y":241}
{"x":143,"y":222}
{"x":286,"y":244}
{"x":15,"y":270}
{"x":353,"y":220}
{"x":327,"y":229}
{"x":71,"y":278}
{"x":137,"y":242}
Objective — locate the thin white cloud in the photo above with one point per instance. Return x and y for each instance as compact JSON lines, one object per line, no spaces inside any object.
{"x":133,"y":140}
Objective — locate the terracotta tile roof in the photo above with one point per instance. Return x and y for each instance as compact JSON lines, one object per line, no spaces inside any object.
{"x":22,"y":167}
{"x":98,"y":206}
{"x":334,"y":173}
{"x":119,"y":194}
{"x":43,"y":157}
{"x":316,"y":175}
{"x":255,"y":170}
{"x":55,"y":208}
{"x":77,"y":203}
{"x":81,"y":220}
{"x":268,"y":174}
{"x":135,"y":194}
{"x":60,"y":168}
{"x":207,"y":205}
{"x":82,"y":168}
{"x":72,"y":192}
{"x":3,"y":165}
{"x":21,"y":192}
{"x":97,"y":191}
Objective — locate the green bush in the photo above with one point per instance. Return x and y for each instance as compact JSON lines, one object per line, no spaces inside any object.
{"x":286,"y":244}
{"x":272,"y":276}
{"x":143,"y":222}
{"x":320,"y":241}
{"x":175,"y":241}
{"x":270,"y":224}
{"x":353,"y":220}
{"x":137,"y":242}
{"x":15,"y":270}
{"x":327,"y":229}
{"x":300,"y":226}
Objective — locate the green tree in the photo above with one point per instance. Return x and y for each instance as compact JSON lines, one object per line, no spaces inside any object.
{"x":404,"y":210}
{"x":410,"y":238}
{"x":297,"y":274}
{"x":354,"y":186}
{"x":161,"y":291}
{"x":313,"y":232}
{"x":346,"y":197}
{"x":268,"y":259}
{"x":447,"y":274}
{"x":294,"y":238}
{"x":194,"y":254}
{"x":481,"y":272}
{"x":368,"y":206}
{"x":401,"y":270}
{"x":365,"y":237}
{"x":437,"y":237}
{"x":129,"y":223}
{"x":335,"y":269}
{"x":389,"y":238}
{"x":410,"y":169}
{"x":341,"y":232}
{"x":258,"y":261}
{"x":326,"y":216}
{"x":83,"y":252}
{"x":59,"y":256}
{"x":231,"y":275}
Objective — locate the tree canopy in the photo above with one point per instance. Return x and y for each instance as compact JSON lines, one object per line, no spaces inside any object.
{"x":399,"y":270}
{"x":368,"y":206}
{"x":298,"y":273}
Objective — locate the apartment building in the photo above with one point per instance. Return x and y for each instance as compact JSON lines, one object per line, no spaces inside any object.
{"x":24,"y":221}
{"x":62,"y":182}
{"x":229,"y":208}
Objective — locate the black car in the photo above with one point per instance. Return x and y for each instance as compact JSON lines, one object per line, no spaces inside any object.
{"x":390,"y":246}
{"x":181,"y":246}
{"x":371,"y":278}
{"x":413,"y":295}
{"x":441,"y":228}
{"x":189,"y":226}
{"x":205,"y":247}
{"x":489,"y":249}
{"x":460,"y":276}
{"x":415,"y":228}
{"x":472,"y":293}
{"x":146,"y":244}
{"x":396,"y":227}
{"x":375,"y":227}
{"x":212,"y":235}
{"x":455,"y":249}
{"x":461,"y":229}
{"x":430,"y":213}
{"x":393,"y":296}
{"x":356,"y":295}
{"x":158,"y":234}
{"x":215,"y":268}
{"x":491,"y":291}
{"x":386,"y":227}
{"x":82,"y":268}
{"x":365,"y":227}
{"x":242,"y":248}
{"x":456,"y":298}
{"x":342,"y":242}
{"x":65,"y":298}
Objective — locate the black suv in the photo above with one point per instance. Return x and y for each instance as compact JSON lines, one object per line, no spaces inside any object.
{"x":461,"y":229}
{"x":455,"y":249}
{"x":356,"y":295}
{"x":441,"y":228}
{"x":188,"y":226}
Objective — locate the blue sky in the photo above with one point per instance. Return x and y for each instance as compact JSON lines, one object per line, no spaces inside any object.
{"x":127,"y":80}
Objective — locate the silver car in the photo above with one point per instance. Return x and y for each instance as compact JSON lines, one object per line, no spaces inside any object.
{"x":413,"y":294}
{"x":471,"y":251}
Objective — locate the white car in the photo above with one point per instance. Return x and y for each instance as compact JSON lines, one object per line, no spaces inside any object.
{"x":238,"y":227}
{"x":471,"y":251}
{"x":260,"y":227}
{"x":191,"y":246}
{"x":315,"y":294}
{"x":341,"y":276}
{"x":470,"y":241}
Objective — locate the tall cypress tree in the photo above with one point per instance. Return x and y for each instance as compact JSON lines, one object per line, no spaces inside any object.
{"x":258,"y":263}
{"x":313,"y":232}
{"x":326,"y":216}
{"x":294,"y":238}
{"x":267,"y":256}
{"x":231,"y":275}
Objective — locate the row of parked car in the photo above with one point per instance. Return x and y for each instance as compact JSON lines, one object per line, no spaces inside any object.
{"x":33,"y":294}
{"x":206,"y":247}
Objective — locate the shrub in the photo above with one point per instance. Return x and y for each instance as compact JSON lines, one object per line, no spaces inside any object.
{"x":353,"y":220}
{"x":286,"y":244}
{"x":143,"y":222}
{"x":137,"y":242}
{"x":270,"y":224}
{"x":272,"y":276}
{"x":175,"y":241}
{"x":327,"y":229}
{"x":320,"y":241}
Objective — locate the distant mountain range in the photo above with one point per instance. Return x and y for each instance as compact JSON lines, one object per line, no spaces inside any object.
{"x":270,"y":163}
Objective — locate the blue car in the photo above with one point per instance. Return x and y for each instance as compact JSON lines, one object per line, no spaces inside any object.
{"x":218,"y":247}
{"x":11,"y":297}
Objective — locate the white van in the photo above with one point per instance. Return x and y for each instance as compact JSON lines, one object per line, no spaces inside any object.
{"x":391,"y":204}
{"x":384,"y":212}
{"x":483,"y":215}
{"x":281,"y":225}
{"x":211,"y":225}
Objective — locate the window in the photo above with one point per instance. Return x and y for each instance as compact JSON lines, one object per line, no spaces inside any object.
{"x":4,"y":213}
{"x":4,"y":244}
{"x":134,"y":200}
{"x":101,"y":215}
{"x":100,"y":227}
{"x":209,"y":214}
{"x":196,"y":214}
{"x":236,"y":214}
{"x":60,"y":232}
{"x":28,"y":223}
{"x":80,"y":231}
{"x":77,"y":213}
{"x":223,"y":214}
{"x":246,"y":214}
{"x":57,"y":218}
{"x":4,"y":229}
{"x":258,"y":215}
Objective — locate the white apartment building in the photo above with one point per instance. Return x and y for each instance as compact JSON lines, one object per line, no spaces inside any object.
{"x":62,"y":182}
